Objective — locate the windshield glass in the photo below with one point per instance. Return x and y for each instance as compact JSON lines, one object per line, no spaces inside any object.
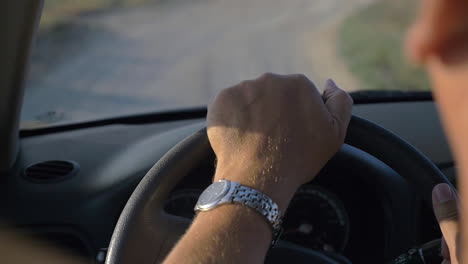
{"x":97,"y":59}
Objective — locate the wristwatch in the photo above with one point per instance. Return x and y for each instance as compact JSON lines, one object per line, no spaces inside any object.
{"x":227,"y":192}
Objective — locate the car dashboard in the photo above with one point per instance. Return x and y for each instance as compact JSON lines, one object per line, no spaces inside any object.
{"x":334,"y":213}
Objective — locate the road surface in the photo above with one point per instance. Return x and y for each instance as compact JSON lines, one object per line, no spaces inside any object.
{"x":175,"y":54}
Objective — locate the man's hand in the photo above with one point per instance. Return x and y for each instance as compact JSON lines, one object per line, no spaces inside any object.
{"x":276,"y":132}
{"x":272,"y":134}
{"x":445,"y":202}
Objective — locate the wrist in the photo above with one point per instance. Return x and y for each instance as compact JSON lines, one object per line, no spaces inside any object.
{"x":236,"y":218}
{"x":269,"y":183}
{"x":229,"y":229}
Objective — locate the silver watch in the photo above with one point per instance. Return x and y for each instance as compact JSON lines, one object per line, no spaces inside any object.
{"x":225,"y":192}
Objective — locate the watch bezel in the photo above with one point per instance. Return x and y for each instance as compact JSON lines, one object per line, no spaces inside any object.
{"x":215,"y":202}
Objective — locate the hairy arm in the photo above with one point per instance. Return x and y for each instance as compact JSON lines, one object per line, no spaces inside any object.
{"x":272,"y":134}
{"x":229,"y":234}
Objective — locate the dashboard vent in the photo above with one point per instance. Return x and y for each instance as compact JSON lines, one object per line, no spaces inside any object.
{"x":51,"y":171}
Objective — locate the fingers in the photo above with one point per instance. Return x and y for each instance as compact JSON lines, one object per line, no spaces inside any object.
{"x":444,"y":201}
{"x":444,"y":251}
{"x":339,"y":105}
{"x":424,"y":33}
{"x":437,"y":28}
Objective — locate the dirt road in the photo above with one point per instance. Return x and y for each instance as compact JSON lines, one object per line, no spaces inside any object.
{"x":179,"y":53}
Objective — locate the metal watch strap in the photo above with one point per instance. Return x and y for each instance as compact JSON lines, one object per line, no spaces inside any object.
{"x":234,"y":192}
{"x":258,"y":201}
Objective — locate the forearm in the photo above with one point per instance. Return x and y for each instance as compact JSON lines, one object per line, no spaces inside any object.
{"x":271,"y":143}
{"x":449,"y":83}
{"x":231,"y":233}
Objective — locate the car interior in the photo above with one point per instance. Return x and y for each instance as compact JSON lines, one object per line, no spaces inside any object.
{"x":123,"y":189}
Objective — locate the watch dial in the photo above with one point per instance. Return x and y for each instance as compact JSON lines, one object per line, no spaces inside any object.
{"x":213,"y":193}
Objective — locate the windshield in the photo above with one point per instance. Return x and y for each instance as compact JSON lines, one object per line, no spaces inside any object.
{"x":97,"y":59}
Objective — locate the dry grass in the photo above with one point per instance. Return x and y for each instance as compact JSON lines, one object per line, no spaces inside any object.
{"x":59,"y":11}
{"x":371,"y":43}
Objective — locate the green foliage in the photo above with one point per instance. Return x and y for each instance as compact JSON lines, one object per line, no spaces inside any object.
{"x":371,"y":42}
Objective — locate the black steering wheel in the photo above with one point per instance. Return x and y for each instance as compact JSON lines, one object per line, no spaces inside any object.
{"x":403,"y":178}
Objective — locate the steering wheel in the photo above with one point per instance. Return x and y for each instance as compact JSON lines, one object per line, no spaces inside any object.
{"x":403,"y":178}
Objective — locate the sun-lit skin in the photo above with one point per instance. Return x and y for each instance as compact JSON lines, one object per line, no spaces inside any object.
{"x":276,"y":132}
{"x":273,"y":134}
{"x":438,"y":40}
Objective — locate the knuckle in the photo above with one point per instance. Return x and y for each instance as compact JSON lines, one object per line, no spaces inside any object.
{"x":268,"y":76}
{"x":348,"y":100}
{"x":225,"y":95}
{"x":245,"y":84}
{"x":300,"y":81}
{"x":248,"y":91}
{"x":344,"y":97}
{"x":300,"y":77}
{"x":239,"y":94}
{"x":347,"y":97}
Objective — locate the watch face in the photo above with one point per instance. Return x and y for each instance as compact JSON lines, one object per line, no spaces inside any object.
{"x":213,"y":193}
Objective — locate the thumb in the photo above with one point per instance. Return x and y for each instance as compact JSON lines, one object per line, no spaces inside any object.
{"x":339,"y":105}
{"x":444,"y":201}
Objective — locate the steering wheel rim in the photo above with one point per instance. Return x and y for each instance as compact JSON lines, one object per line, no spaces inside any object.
{"x":145,"y":233}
